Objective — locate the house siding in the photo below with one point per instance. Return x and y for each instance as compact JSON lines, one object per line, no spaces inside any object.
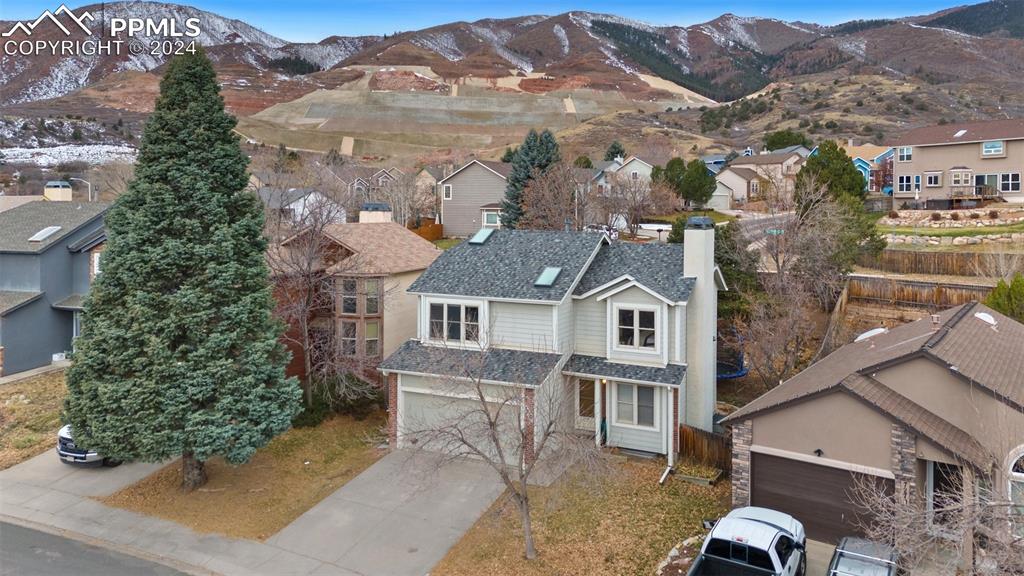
{"x":566,"y":325}
{"x":591,"y":327}
{"x":647,"y":440}
{"x":523,"y":326}
{"x":942,"y":158}
{"x":636,"y":296}
{"x":472,"y":188}
{"x":400,"y":311}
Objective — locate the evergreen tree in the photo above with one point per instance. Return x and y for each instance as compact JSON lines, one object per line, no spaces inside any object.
{"x":832,"y":168}
{"x":615,"y":150}
{"x":583,"y":161}
{"x":697,"y":184}
{"x":785,"y":138}
{"x":509,"y":154}
{"x":738,"y":266}
{"x":671,"y":175}
{"x":1008,"y":298}
{"x":179,"y":354}
{"x":537,"y":152}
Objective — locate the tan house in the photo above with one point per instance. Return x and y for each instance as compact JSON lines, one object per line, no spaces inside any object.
{"x":742,"y":185}
{"x":917,"y":409}
{"x":948,"y":164}
{"x":777,"y":170}
{"x":371,"y":265}
{"x":471,"y":197}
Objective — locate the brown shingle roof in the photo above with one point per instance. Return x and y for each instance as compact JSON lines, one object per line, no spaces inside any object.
{"x":381,"y":248}
{"x":745,"y":173}
{"x":502,"y":168}
{"x":762,"y":159}
{"x":1012,"y":129}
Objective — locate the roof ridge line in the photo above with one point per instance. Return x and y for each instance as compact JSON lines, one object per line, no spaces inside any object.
{"x":949,"y":325}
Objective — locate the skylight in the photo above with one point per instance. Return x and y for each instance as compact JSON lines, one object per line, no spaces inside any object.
{"x":870,"y":334}
{"x":959,"y":133}
{"x":44,"y":234}
{"x":481,"y":236}
{"x":548,"y":276}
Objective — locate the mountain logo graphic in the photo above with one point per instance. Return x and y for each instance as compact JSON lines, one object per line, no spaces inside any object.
{"x":29,"y":27}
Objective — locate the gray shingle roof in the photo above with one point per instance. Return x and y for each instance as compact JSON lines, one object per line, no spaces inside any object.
{"x":10,"y":300}
{"x":508,"y":263}
{"x":17,"y":225}
{"x":277,"y":198}
{"x":72,"y":302}
{"x":496,"y":364}
{"x":657,"y":266}
{"x":600,"y":368}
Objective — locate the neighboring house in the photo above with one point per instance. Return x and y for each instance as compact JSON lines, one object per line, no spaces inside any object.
{"x":9,"y":202}
{"x":367,"y":181}
{"x":632,"y":168}
{"x":371,"y":265}
{"x":951,"y":163}
{"x":873,"y":162}
{"x":471,"y":197}
{"x":800,"y":149}
{"x":57,"y":191}
{"x":714,"y":162}
{"x":917,"y":409}
{"x":777,"y":171}
{"x":294,"y":205}
{"x":49,"y":255}
{"x":722,"y":197}
{"x":625,"y":331}
{"x":426,"y":182}
{"x":742,"y":184}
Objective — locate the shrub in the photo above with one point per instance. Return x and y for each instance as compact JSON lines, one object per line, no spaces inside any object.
{"x":312,"y":416}
{"x":993,"y":214}
{"x":954,"y":216}
{"x":975,"y":215}
{"x":936,"y":216}
{"x":894,"y":214}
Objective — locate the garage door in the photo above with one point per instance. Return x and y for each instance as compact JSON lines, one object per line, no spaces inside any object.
{"x":424,"y":413}
{"x":817,"y":496}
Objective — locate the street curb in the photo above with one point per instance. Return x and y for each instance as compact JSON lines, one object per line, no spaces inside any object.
{"x":169,"y":562}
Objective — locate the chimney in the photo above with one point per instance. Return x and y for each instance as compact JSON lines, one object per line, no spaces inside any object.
{"x":849,"y":142}
{"x":701,"y":323}
{"x":936,"y":321}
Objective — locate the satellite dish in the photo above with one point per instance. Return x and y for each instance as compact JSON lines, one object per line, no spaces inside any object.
{"x":871,"y":333}
{"x":985,"y":317}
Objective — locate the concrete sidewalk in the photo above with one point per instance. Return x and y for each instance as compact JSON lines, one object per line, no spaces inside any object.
{"x":399,"y":517}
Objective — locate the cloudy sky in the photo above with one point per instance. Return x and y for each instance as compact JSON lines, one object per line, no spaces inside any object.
{"x":313,"y":20}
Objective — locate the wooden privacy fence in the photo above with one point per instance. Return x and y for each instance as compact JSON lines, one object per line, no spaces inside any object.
{"x":705,"y":447}
{"x":914,"y":293}
{"x":942,"y":263}
{"x":430,"y":231}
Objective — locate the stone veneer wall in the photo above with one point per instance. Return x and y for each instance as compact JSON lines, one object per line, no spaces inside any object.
{"x":903,"y":460}
{"x":393,"y":410}
{"x":742,"y":436}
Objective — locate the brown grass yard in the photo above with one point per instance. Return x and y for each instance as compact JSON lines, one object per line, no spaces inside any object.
{"x":625,"y":526}
{"x":30,"y":416}
{"x":287,"y":477}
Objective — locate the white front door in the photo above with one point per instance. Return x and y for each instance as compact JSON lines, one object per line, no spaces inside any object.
{"x":585,"y":404}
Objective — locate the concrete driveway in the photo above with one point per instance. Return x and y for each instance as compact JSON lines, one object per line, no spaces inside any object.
{"x":397,"y":518}
{"x":819,"y":554}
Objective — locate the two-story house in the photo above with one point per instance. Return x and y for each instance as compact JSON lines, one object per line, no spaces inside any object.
{"x":471,"y":197}
{"x":776,"y":172}
{"x":625,"y":332}
{"x":49,"y":254}
{"x":947,"y":164}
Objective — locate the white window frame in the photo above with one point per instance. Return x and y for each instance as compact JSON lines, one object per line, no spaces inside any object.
{"x":481,"y":323}
{"x":483,"y":219}
{"x":367,"y":339}
{"x":962,"y":177}
{"x":446,"y":190}
{"x":904,"y":183}
{"x":637,"y":349}
{"x":1006,"y":182}
{"x":96,"y":263}
{"x":928,"y":176}
{"x":987,"y":153}
{"x":615,"y":406}
{"x":905,"y":154}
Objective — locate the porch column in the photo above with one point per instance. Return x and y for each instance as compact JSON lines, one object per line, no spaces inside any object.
{"x":529,"y":446}
{"x":598,"y":402}
{"x":742,"y":438}
{"x":967,"y":497}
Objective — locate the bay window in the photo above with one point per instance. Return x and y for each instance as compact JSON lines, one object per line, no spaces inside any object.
{"x":636,"y":328}
{"x":634,"y":405}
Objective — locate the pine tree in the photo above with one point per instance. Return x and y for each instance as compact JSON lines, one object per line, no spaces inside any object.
{"x":583,"y":161}
{"x":536,"y":153}
{"x":615,"y":150}
{"x":179,"y":354}
{"x":1008,"y":298}
{"x":832,"y":168}
{"x":697,"y":184}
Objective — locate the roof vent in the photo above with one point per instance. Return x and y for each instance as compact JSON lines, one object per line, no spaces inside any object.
{"x":871,"y":333}
{"x":481,"y":236}
{"x":548,"y":276}
{"x":959,"y":133}
{"x":44,"y":234}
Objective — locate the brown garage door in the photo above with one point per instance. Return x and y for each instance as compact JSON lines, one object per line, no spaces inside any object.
{"x":815,"y":495}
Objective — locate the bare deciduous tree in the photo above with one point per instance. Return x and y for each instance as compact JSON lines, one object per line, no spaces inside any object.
{"x":111,"y":179}
{"x":516,"y":430}
{"x":552,"y":198}
{"x":632,"y":199}
{"x":408,"y":201}
{"x":778,"y":332}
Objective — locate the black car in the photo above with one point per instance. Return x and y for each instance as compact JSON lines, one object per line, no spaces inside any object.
{"x":860,"y":557}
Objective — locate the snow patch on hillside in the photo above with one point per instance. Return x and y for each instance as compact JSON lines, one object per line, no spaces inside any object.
{"x":215,"y":29}
{"x":586,"y":18}
{"x":946,"y":31}
{"x":442,"y":43}
{"x":90,"y":153}
{"x":737,"y":29}
{"x":328,"y":55}
{"x":683,"y":41}
{"x":856,"y":47}
{"x":563,"y":38}
{"x":498,"y":39}
{"x":67,"y":75}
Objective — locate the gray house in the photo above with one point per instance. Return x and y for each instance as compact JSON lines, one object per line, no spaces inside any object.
{"x":49,"y":255}
{"x":471,"y":197}
{"x":625,"y":331}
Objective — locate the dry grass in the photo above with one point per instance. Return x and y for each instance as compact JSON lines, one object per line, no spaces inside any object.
{"x":30,"y":416}
{"x":294,"y":472}
{"x":624,"y":526}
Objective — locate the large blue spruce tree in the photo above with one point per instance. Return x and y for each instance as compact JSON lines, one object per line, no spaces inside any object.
{"x":179,"y":354}
{"x":537,"y":153}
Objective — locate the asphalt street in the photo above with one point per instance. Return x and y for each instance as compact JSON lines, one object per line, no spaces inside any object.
{"x":27,"y":552}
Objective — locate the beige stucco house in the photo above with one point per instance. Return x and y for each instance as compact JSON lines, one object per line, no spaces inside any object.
{"x":777,"y":171}
{"x":742,"y":185}
{"x":917,"y":408}
{"x":471,"y":197}
{"x":965,"y":161}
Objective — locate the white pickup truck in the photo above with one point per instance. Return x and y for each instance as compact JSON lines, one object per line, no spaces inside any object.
{"x":753,"y":542}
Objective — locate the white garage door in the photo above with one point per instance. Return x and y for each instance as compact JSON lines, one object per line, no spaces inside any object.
{"x":426,"y":414}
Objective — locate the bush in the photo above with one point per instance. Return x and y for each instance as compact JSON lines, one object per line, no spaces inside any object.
{"x":993,"y":214}
{"x":312,"y":416}
{"x":351,"y":395}
{"x":954,"y":216}
{"x":894,"y":214}
{"x":936,"y":216}
{"x":975,"y":216}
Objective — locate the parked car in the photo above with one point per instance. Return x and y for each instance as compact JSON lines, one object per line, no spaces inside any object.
{"x":860,"y":557}
{"x":71,"y":454}
{"x":753,"y":541}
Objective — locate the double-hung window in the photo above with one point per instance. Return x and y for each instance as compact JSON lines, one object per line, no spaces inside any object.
{"x":993,"y":148}
{"x":1009,"y":182}
{"x":454,"y":322}
{"x":905,"y":154}
{"x":634,"y":405}
{"x":371,"y":335}
{"x":447,"y":191}
{"x":348,"y":338}
{"x":933,"y":179}
{"x":904,"y":184}
{"x":349,"y":296}
{"x":372,"y":287}
{"x":636,"y":328}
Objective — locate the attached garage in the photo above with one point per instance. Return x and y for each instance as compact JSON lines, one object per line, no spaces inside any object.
{"x":426,"y":416}
{"x":817,"y":496}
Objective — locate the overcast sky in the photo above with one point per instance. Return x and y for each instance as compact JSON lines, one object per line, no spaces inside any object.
{"x":313,"y":20}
